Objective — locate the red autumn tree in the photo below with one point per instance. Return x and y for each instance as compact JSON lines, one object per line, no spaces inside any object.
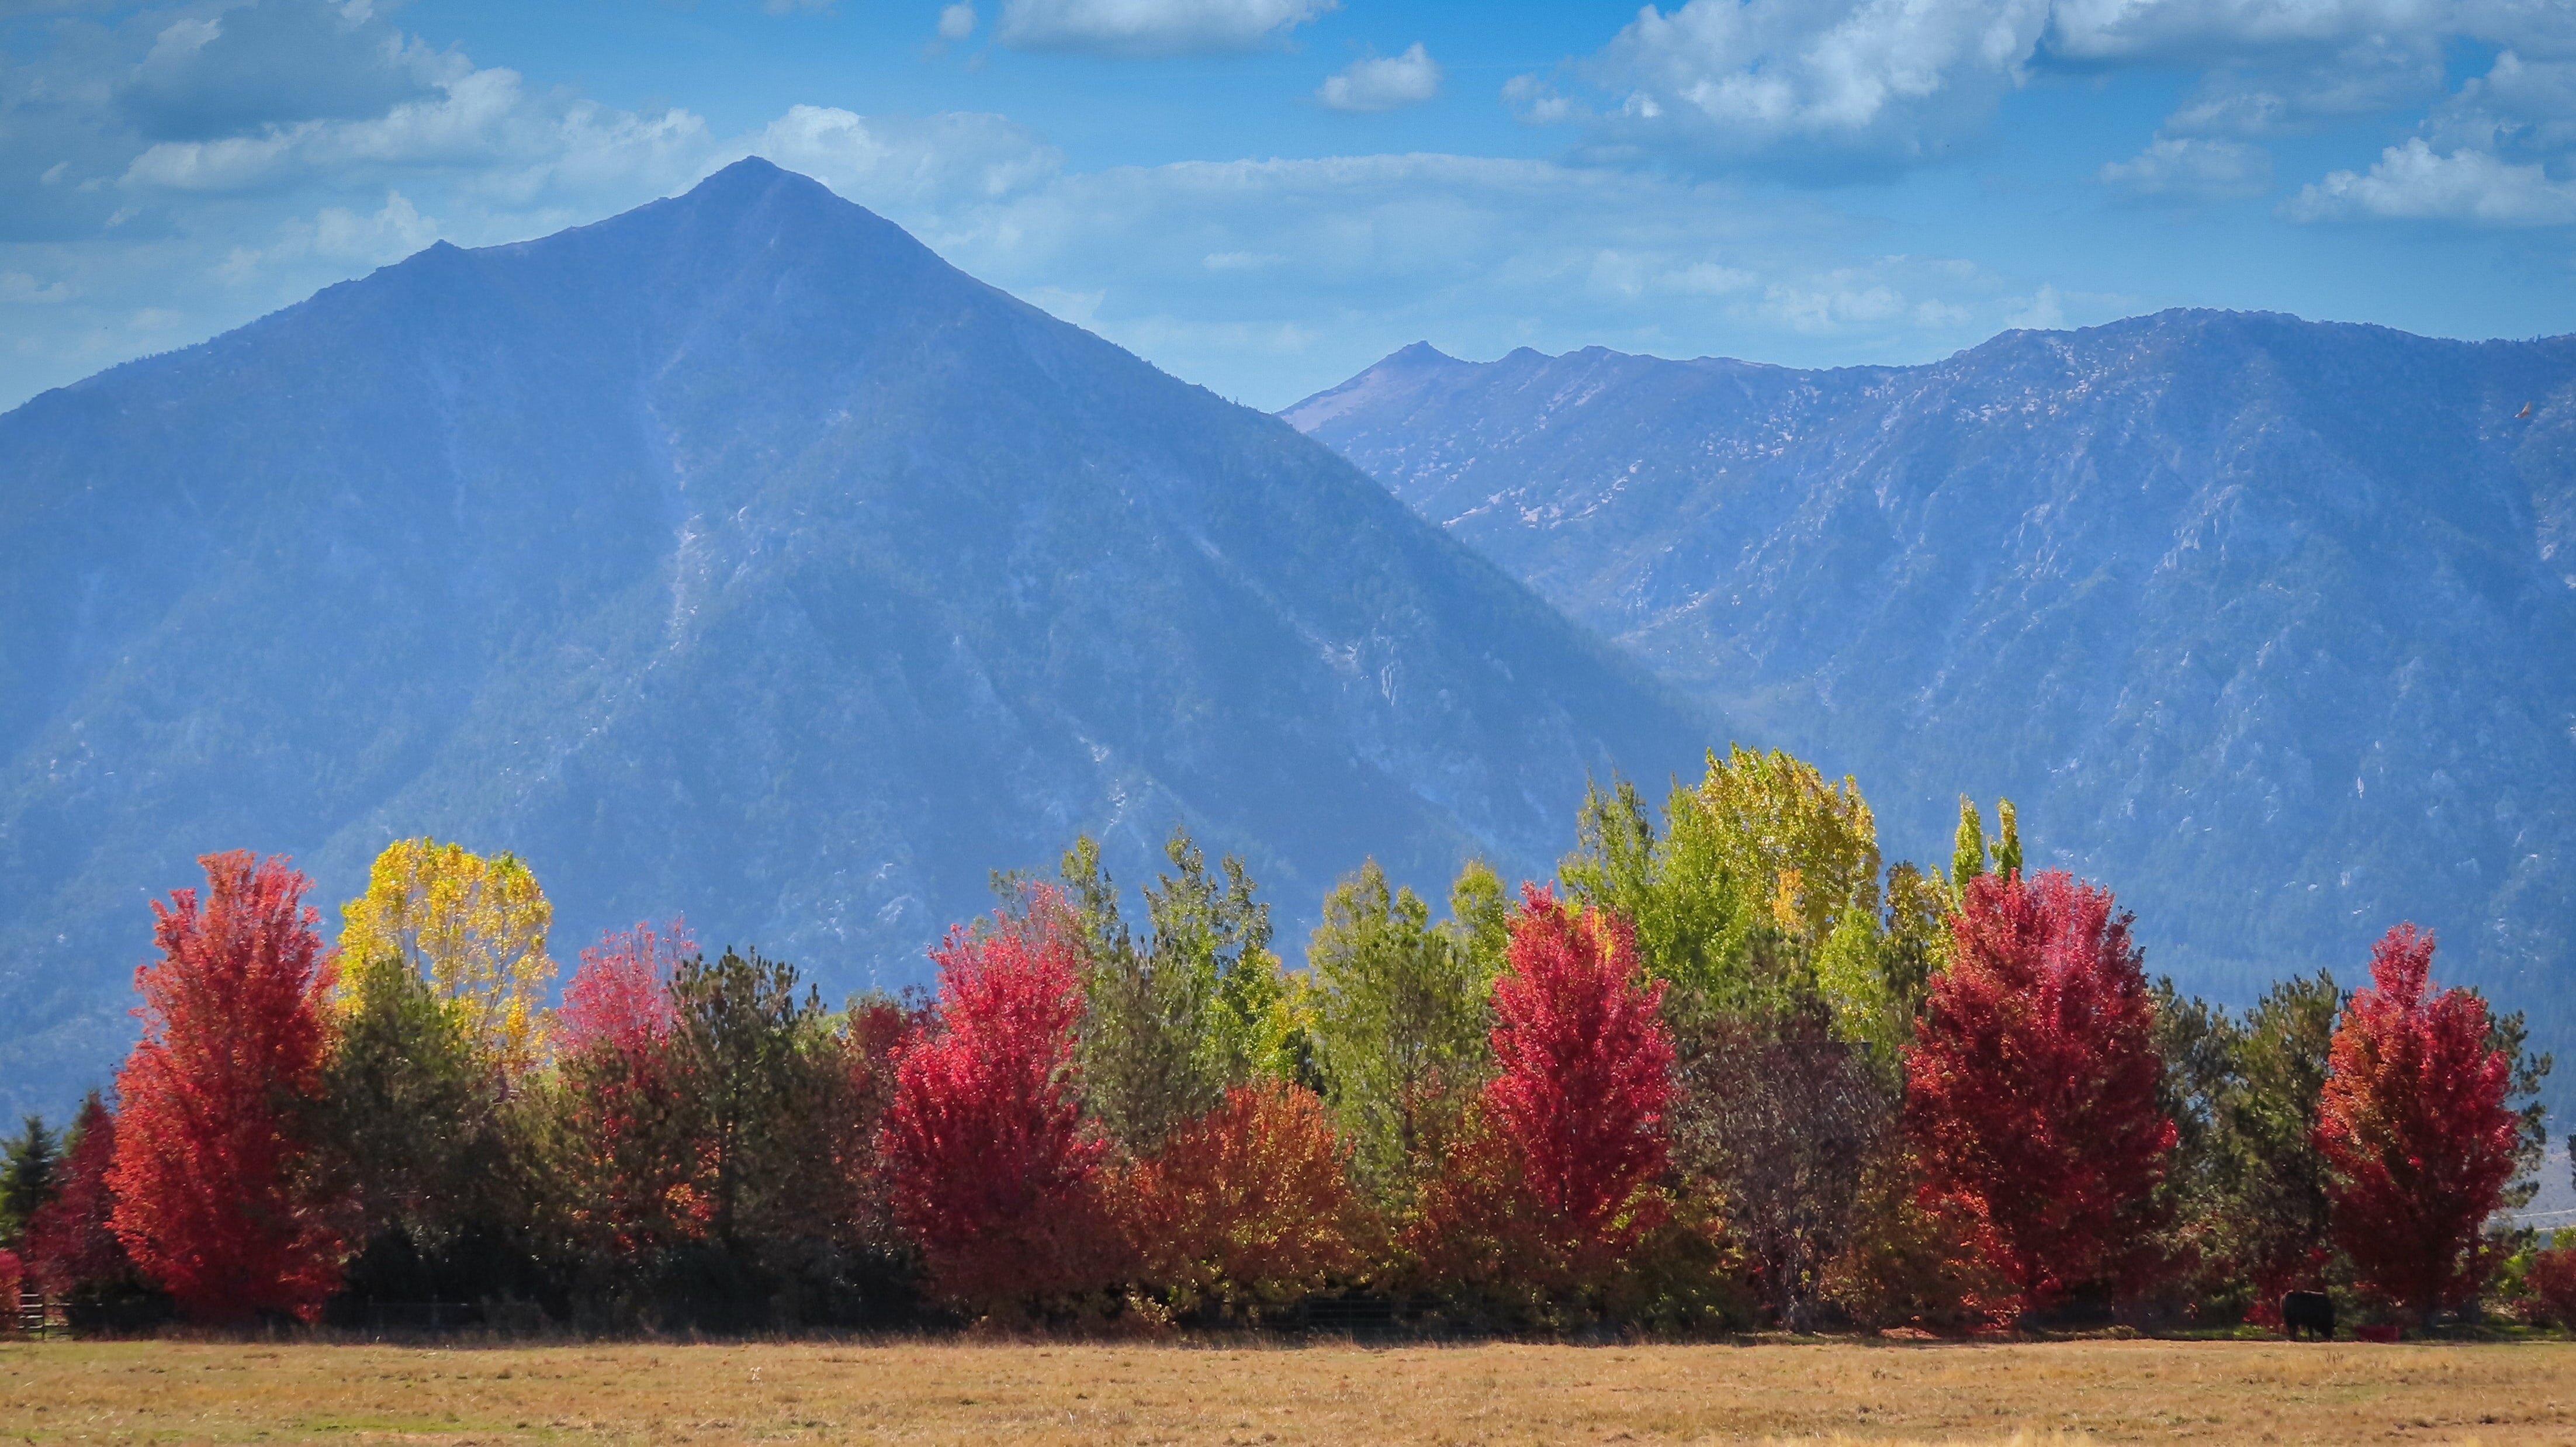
{"x":213,"y":1200}
{"x":993,"y":1175}
{"x":1248,"y":1204}
{"x":627,"y":1103}
{"x":872,"y":1041}
{"x":2031,"y":1084}
{"x":2419,"y":1144}
{"x":71,"y":1241}
{"x":620,"y":998}
{"x":2552,"y":1280}
{"x":1583,"y":1073}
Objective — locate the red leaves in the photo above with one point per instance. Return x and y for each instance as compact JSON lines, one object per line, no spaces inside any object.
{"x":1584,"y":1070}
{"x":2552,"y":1279}
{"x":211,"y":1200}
{"x":620,"y":998}
{"x":2032,"y":1082}
{"x":2415,"y":1130}
{"x":626,"y":1097}
{"x":993,"y":1175}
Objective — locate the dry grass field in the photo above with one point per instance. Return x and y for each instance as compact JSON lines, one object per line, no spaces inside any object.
{"x":964,"y":1392}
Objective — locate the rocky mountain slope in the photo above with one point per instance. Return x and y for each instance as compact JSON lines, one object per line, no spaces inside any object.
{"x":2271,"y":625}
{"x":733,"y":556}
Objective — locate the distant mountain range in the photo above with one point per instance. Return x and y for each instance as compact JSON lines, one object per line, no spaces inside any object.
{"x":2268,"y":624}
{"x":733,"y":556}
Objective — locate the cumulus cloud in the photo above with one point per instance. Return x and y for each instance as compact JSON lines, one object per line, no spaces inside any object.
{"x":957,"y":21}
{"x":2499,"y":153}
{"x":1383,"y":82}
{"x":2518,"y":107}
{"x":1823,"y":86}
{"x":2413,"y":182}
{"x":2187,"y":169}
{"x":1799,"y":79}
{"x":1151,"y":27}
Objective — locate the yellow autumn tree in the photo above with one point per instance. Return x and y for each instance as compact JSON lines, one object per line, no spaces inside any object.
{"x":474,"y":928}
{"x":1812,"y":845}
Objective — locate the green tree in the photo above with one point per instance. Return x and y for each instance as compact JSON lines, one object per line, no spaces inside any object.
{"x":1692,"y":898}
{"x":1401,"y":1016}
{"x":1967,"y":849}
{"x":1170,"y":1025}
{"x":757,"y":1060}
{"x":2275,"y":1233}
{"x":441,"y":1153}
{"x":2247,"y":1186}
{"x":27,"y":1177}
{"x":1760,"y":895}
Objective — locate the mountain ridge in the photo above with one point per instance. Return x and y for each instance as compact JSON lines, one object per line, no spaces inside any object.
{"x":2237,"y":606}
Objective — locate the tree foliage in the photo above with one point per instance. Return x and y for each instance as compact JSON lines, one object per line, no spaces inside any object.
{"x":994,"y":1175}
{"x":1582,"y":1073}
{"x":72,"y":1246}
{"x":627,"y":1109}
{"x":215,"y":1200}
{"x":1170,"y":1024}
{"x":758,"y":1072}
{"x":1782,"y":1120}
{"x":474,"y":928}
{"x":2416,"y":1130}
{"x":1401,"y":1017}
{"x":1249,"y":1206}
{"x":29,"y":1161}
{"x":2032,"y":1083}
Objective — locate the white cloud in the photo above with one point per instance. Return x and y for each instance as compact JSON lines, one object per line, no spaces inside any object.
{"x":903,"y":166}
{"x":2413,"y":182}
{"x":336,"y":234}
{"x":1151,"y":27}
{"x":957,"y":21}
{"x":1739,"y":79}
{"x":2190,"y":169}
{"x":1819,"y":87}
{"x":2518,"y":107}
{"x":1383,"y":83}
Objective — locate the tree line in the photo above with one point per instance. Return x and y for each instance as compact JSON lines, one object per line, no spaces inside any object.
{"x":1728,"y":1069}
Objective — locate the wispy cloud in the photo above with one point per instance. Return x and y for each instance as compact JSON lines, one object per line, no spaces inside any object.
{"x":1146,"y":28}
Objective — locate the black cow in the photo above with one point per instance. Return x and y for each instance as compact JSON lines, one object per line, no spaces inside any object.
{"x":2311,"y":1310}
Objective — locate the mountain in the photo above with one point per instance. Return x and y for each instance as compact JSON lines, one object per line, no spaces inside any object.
{"x":733,"y":556}
{"x":2268,"y":624}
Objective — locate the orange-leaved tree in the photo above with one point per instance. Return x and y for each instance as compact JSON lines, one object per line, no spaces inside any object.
{"x":2031,"y":1084}
{"x":2418,"y":1139}
{"x":213,"y":1198}
{"x":994,"y":1176}
{"x":1247,"y":1205}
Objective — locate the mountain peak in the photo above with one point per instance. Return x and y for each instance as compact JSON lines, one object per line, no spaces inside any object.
{"x":734,"y":557}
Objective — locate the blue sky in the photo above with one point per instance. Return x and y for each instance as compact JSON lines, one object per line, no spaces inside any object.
{"x":1266,"y":195}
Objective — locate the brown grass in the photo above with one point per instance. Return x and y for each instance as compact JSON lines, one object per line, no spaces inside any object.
{"x":966,"y":1392}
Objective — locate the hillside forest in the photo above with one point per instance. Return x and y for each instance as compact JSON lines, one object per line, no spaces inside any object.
{"x":1729,"y":1069}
